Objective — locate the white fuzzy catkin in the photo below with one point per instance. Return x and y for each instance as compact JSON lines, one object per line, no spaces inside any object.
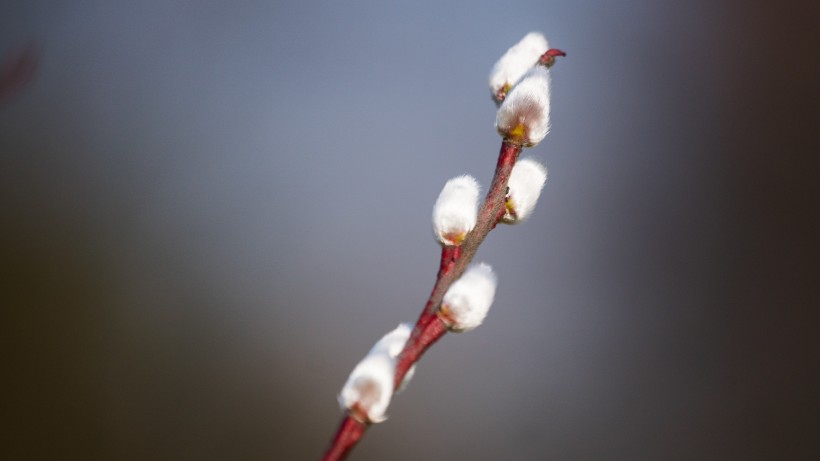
{"x":392,"y":344}
{"x":526,"y":182}
{"x":508,"y":70}
{"x":524,"y":116}
{"x":370,"y":386}
{"x":466,"y":303}
{"x":456,"y":210}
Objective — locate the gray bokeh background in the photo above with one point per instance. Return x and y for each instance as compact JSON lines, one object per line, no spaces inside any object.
{"x":210,"y":210}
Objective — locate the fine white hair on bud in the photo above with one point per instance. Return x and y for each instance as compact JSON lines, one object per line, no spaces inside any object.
{"x":456,"y":210}
{"x":367,"y":392}
{"x":369,"y":388}
{"x":526,"y":182}
{"x":392,"y":344}
{"x":466,"y":303}
{"x":508,"y":70}
{"x":524,"y":116}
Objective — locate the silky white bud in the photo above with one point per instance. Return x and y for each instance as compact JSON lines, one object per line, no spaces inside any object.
{"x":456,"y":210}
{"x":526,"y":182}
{"x":392,"y":344}
{"x":515,"y":63}
{"x":524,"y":116}
{"x":466,"y":303}
{"x":369,"y":388}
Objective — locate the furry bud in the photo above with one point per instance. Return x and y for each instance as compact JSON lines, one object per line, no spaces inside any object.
{"x":456,"y":210}
{"x":524,"y":117}
{"x":526,"y":182}
{"x":367,"y":392}
{"x":466,"y":303}
{"x":508,"y":70}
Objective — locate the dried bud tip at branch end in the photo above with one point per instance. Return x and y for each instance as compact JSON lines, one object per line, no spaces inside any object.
{"x":456,"y":210}
{"x":548,"y":58}
{"x":524,"y":116}
{"x":526,"y":182}
{"x":509,"y":69}
{"x":466,"y":303}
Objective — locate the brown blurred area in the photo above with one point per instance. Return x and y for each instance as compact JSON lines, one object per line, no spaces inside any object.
{"x":772,"y":408}
{"x":99,"y":365}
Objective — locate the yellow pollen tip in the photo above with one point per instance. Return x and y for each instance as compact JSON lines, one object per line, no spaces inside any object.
{"x":454,"y":238}
{"x":444,"y":314}
{"x":518,"y":133}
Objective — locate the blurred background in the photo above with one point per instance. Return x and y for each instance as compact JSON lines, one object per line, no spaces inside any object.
{"x":210,"y":210}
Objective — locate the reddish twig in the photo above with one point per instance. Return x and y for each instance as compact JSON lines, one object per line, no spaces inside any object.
{"x":428,"y":333}
{"x":432,"y":324}
{"x":430,"y":327}
{"x":350,"y":431}
{"x":453,"y":266}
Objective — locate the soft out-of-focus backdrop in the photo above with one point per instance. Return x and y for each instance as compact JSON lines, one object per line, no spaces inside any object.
{"x":210,"y":210}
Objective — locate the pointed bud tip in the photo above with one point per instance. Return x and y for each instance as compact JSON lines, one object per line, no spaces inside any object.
{"x":548,"y":58}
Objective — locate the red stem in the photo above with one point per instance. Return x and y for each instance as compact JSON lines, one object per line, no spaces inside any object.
{"x":350,"y":431}
{"x":449,"y":255}
{"x":433,"y":329}
{"x":491,"y":209}
{"x":454,"y":260}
